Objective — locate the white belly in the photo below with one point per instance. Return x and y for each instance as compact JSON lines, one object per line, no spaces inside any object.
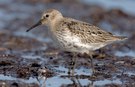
{"x":66,"y":41}
{"x":73,"y":43}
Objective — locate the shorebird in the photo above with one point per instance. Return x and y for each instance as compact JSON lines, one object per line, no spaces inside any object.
{"x":75,"y":36}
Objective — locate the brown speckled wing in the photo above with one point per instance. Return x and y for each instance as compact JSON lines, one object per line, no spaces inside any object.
{"x":88,"y":33}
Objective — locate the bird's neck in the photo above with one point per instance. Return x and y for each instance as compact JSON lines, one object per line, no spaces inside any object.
{"x":54,"y":23}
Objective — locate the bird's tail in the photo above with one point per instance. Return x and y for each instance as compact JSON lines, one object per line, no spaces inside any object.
{"x":120,"y":38}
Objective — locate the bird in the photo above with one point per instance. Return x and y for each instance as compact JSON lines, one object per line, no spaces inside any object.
{"x":74,"y":35}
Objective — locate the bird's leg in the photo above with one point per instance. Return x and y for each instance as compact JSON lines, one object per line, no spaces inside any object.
{"x":72,"y":65}
{"x":91,"y":62}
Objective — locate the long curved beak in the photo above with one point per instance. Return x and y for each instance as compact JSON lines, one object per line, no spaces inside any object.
{"x":37,"y":24}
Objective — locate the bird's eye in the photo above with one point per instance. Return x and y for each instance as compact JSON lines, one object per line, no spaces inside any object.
{"x":47,"y":15}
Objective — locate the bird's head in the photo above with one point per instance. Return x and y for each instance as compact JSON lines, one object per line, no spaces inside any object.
{"x":48,"y":18}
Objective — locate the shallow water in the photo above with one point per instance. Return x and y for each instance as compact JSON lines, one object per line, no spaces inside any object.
{"x":129,"y":53}
{"x":57,"y":81}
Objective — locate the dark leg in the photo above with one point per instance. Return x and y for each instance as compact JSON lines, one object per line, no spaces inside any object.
{"x":92,"y":65}
{"x":72,"y":65}
{"x":91,"y":62}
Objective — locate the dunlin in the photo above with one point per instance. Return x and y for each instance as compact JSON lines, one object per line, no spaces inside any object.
{"x":75,"y":36}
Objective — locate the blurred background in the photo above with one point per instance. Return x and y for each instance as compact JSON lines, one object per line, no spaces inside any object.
{"x":22,"y":53}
